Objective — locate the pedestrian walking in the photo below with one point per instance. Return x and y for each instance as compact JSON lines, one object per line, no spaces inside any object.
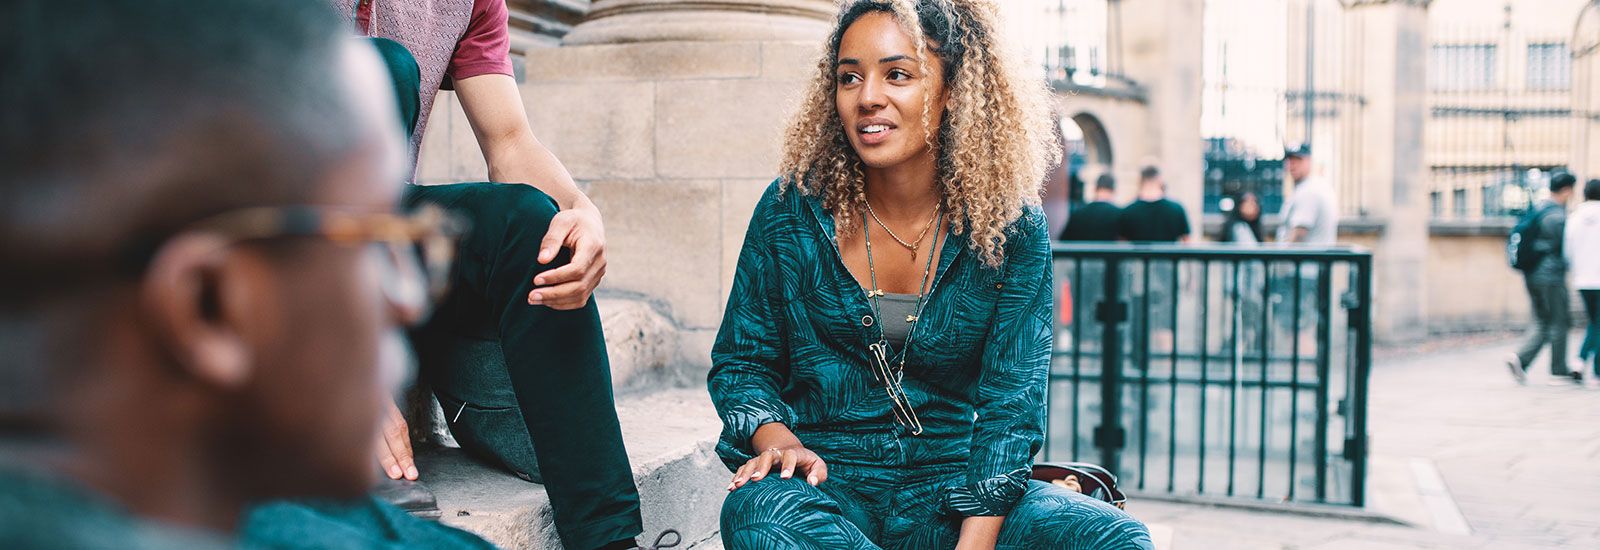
{"x":1539,"y":240}
{"x":1581,"y":244}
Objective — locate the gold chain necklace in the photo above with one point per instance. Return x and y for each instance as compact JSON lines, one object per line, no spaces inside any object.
{"x":913,"y":245}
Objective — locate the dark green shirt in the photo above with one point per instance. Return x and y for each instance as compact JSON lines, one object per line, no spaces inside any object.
{"x":793,"y":349}
{"x":38,"y":510}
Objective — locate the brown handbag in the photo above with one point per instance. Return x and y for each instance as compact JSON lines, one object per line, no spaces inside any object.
{"x":1092,"y":480}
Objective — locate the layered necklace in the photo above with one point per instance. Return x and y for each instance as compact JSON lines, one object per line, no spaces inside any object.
{"x":913,"y":245}
{"x":885,"y":369}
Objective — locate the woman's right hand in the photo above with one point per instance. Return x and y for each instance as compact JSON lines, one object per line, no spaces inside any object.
{"x":788,"y":460}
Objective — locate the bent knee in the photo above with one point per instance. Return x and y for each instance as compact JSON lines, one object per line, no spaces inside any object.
{"x":526,"y":208}
{"x":1061,"y":518}
{"x":767,"y":498}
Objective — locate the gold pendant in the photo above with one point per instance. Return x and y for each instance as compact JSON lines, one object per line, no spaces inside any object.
{"x":877,"y":292}
{"x":911,"y":318}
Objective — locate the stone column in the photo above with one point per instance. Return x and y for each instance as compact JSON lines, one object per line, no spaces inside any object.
{"x":1395,"y":55}
{"x":1163,"y":46}
{"x":670,"y":114}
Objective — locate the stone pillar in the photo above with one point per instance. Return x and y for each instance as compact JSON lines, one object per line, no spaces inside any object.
{"x":1163,"y":47}
{"x":670,"y":114}
{"x":1395,"y":54}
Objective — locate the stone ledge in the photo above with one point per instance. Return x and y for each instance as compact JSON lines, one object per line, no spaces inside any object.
{"x":670,"y":436}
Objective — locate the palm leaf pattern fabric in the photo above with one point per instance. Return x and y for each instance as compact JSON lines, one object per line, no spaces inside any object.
{"x":792,"y":348}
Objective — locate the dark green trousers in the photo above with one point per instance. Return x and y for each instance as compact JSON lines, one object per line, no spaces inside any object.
{"x":555,"y":362}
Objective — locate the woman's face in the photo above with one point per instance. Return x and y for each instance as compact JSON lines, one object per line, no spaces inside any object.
{"x":880,"y":92}
{"x":1249,"y":208}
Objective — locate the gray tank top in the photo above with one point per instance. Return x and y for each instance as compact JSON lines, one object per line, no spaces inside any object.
{"x":892,"y":312}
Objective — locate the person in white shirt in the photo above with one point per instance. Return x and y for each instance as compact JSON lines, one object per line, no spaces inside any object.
{"x":1311,"y":215}
{"x":1582,"y":249}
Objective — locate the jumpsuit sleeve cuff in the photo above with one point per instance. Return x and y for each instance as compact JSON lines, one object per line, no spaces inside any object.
{"x":994,"y":496}
{"x":740,"y":423}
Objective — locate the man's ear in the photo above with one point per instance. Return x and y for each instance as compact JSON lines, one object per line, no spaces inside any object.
{"x":182,"y":296}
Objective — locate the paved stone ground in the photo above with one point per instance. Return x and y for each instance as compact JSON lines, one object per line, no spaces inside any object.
{"x":1520,"y":464}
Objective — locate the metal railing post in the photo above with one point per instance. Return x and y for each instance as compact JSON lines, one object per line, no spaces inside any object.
{"x":1112,"y":313}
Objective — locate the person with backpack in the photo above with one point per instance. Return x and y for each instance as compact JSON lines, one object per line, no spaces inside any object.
{"x":1535,"y":249}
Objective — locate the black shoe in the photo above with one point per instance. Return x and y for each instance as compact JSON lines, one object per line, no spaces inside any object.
{"x":411,"y":496}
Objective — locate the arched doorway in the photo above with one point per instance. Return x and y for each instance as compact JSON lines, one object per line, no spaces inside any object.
{"x":1086,"y":154}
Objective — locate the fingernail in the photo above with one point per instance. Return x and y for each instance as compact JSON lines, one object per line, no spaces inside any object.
{"x":536,"y":298}
{"x":394,"y":472}
{"x":812,"y":480}
{"x":788,"y":474}
{"x":411,"y":472}
{"x":730,"y":486}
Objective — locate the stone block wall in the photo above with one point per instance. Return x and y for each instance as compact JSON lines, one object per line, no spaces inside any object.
{"x":674,"y":141}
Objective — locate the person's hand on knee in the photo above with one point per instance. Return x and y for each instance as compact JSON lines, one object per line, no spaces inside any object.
{"x":788,"y":461}
{"x":570,"y":286}
{"x":394,"y":446}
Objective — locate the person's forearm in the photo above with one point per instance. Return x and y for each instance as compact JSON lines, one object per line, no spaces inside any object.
{"x":773,"y":435}
{"x":980,"y":532}
{"x":524,"y":160}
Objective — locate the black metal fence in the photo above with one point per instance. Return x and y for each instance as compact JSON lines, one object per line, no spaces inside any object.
{"x":1213,"y":370}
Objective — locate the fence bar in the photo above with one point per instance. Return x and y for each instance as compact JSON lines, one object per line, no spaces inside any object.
{"x":1077,"y":346}
{"x":1261,"y":334}
{"x":1172,"y":385}
{"x":1144,"y":373}
{"x":1322,"y":382}
{"x":1233,"y":376}
{"x":1205,"y":354}
{"x":1362,"y":319}
{"x":1109,"y":435}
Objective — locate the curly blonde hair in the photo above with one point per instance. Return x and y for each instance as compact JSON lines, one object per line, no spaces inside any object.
{"x":994,"y":147}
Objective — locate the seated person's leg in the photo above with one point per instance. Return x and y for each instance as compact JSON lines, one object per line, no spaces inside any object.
{"x":1054,"y":517}
{"x":556,"y":360}
{"x":789,"y":514}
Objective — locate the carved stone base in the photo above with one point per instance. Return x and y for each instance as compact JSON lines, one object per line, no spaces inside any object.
{"x":627,"y":21}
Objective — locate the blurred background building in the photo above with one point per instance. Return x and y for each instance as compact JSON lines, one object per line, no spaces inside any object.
{"x":1436,"y":121}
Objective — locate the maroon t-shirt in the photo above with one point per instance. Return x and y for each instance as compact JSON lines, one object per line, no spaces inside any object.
{"x":451,"y":40}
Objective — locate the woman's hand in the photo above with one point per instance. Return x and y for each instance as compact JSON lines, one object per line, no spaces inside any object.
{"x":788,"y":461}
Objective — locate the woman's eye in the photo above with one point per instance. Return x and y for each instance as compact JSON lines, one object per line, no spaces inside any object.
{"x":898,"y":74}
{"x":849,"y":78}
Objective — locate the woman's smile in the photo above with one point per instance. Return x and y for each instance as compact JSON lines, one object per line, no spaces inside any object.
{"x":874,"y":131}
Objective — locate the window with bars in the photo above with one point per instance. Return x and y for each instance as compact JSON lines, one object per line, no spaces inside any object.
{"x":1463,"y":67}
{"x":1549,"y":66}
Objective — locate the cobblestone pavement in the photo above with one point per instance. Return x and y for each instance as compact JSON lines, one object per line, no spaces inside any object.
{"x":1521,"y":464}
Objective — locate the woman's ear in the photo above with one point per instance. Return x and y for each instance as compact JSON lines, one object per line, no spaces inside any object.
{"x":183,"y":297}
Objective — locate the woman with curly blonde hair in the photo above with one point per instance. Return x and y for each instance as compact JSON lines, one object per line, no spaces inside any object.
{"x":880,"y":371}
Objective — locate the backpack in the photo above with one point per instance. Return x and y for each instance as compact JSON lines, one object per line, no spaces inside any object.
{"x":1519,"y":245}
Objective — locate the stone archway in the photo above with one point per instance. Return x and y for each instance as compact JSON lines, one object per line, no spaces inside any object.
{"x":1086,"y":154}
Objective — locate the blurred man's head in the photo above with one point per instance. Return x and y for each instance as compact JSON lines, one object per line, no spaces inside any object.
{"x":1297,"y":161}
{"x":134,"y":340}
{"x":1591,"y":190}
{"x":1105,"y":188}
{"x":1561,"y":186}
{"x":1151,"y":181}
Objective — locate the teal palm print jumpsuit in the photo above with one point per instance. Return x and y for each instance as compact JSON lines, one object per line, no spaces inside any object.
{"x":793,"y":349}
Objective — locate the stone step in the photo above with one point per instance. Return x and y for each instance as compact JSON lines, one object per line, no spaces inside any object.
{"x":670,"y":436}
